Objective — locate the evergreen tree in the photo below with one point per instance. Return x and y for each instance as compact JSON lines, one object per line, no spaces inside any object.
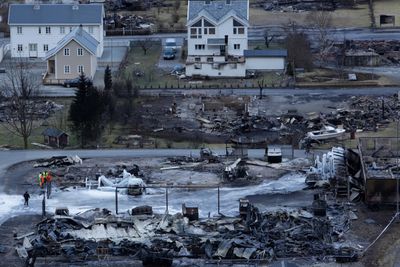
{"x":86,"y":111}
{"x":111,"y":102}
{"x":107,"y":79}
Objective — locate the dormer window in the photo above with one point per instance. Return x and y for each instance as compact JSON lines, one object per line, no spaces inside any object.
{"x":238,"y":28}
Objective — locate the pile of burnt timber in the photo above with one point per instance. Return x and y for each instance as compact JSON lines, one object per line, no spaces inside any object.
{"x":161,"y":238}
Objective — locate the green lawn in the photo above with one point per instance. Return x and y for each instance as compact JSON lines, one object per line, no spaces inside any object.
{"x":154,"y":77}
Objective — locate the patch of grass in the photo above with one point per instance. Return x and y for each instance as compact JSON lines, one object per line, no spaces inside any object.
{"x":57,"y":120}
{"x":357,"y":17}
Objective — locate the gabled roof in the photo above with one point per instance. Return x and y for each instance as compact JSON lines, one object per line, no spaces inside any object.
{"x":53,"y":132}
{"x":80,"y":36}
{"x":265,"y":53}
{"x":218,"y":8}
{"x":60,"y":14}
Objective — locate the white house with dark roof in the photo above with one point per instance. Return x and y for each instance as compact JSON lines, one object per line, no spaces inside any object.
{"x":218,"y":41}
{"x":217,"y":37}
{"x":73,"y":55}
{"x":36,"y":29}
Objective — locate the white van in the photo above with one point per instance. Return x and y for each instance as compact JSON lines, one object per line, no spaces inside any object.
{"x":171,"y":43}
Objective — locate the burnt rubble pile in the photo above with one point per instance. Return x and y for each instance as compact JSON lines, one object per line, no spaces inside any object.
{"x":356,"y":113}
{"x":302,"y":5}
{"x":127,"y":22}
{"x":38,"y":110}
{"x":58,"y":161}
{"x":262,"y":236}
{"x":388,"y":49}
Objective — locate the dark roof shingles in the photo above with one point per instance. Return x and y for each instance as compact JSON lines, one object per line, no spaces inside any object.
{"x":55,"y":14}
{"x":218,"y":8}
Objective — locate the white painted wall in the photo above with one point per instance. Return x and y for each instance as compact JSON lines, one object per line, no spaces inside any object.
{"x":222,"y":29}
{"x":30,"y":34}
{"x":225,"y":70}
{"x":265,"y":63}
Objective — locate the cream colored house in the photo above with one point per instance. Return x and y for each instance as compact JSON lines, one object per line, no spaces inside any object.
{"x":73,"y":55}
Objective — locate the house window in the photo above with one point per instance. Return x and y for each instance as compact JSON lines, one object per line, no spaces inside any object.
{"x":19,"y":48}
{"x":209,"y":28}
{"x":70,"y":29}
{"x":210,"y":59}
{"x":91,"y":29}
{"x":195,"y":30}
{"x":66,"y":69}
{"x":79,"y":52}
{"x":197,"y":66}
{"x":200,"y":47}
{"x":62,"y":30}
{"x":197,"y":59}
{"x":236,"y":46}
{"x":48,"y":30}
{"x":40,"y":30}
{"x":238,"y":28}
{"x":45,"y":47}
{"x":80,"y":69}
{"x":66,"y":52}
{"x":19,"y":30}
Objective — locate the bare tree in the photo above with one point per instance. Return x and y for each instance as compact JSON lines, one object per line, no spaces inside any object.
{"x":268,"y":38}
{"x":20,"y":89}
{"x":261,"y":84}
{"x":298,"y":47}
{"x":145,"y":44}
{"x":321,"y":22}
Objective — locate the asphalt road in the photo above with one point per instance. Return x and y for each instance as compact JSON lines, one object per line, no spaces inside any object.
{"x":59,"y":91}
{"x":257,"y":33}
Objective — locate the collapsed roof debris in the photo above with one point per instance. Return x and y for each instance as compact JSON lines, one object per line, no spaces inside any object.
{"x":58,"y":161}
{"x":261,"y":236}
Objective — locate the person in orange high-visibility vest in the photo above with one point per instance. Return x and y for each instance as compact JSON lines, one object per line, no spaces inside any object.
{"x":48,"y":177}
{"x":41,"y":179}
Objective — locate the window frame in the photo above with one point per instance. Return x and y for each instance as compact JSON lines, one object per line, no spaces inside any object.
{"x":20,"y":46}
{"x":19,"y":29}
{"x":48,"y":30}
{"x":67,"y":69}
{"x":77,"y":52}
{"x":83,"y":69}
{"x":67,"y":52}
{"x":45,"y":47}
{"x":62,"y":29}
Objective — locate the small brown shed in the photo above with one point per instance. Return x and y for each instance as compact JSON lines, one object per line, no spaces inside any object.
{"x":55,"y":137}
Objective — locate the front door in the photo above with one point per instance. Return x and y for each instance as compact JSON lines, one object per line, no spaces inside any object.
{"x":33,"y":52}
